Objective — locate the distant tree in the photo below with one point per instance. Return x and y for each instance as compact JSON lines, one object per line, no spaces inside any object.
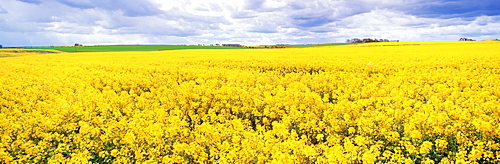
{"x":366,"y":40}
{"x":356,"y":40}
{"x":0,"y":46}
{"x":383,"y":40}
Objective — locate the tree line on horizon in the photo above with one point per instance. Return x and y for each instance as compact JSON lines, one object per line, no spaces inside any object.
{"x":367,"y":40}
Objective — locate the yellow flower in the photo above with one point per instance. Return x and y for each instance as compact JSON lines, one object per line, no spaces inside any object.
{"x":320,"y":137}
{"x":426,"y":147}
{"x":441,"y":144}
{"x":308,"y":105}
{"x":415,"y":134}
{"x":428,"y":161}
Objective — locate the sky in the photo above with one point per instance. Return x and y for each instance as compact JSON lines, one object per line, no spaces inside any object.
{"x":247,"y":22}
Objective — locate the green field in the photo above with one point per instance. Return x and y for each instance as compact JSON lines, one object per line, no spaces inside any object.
{"x":107,"y":48}
{"x":129,"y":48}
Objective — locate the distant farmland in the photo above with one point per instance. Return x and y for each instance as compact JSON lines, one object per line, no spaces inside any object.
{"x":108,"y":48}
{"x":130,"y":48}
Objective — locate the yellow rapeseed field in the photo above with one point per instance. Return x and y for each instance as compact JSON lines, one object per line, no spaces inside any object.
{"x":406,"y":102}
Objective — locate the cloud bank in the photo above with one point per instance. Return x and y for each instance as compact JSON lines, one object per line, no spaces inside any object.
{"x":249,"y":22}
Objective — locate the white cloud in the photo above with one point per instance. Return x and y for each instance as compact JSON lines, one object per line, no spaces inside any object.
{"x":396,"y":25}
{"x":63,"y":22}
{"x":2,"y":10}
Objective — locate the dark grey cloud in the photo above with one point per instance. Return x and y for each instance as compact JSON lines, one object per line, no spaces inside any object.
{"x":306,"y":14}
{"x":311,"y":14}
{"x":455,"y":8}
{"x":31,"y":1}
{"x":312,"y":20}
{"x":82,"y":4}
{"x":133,"y":8}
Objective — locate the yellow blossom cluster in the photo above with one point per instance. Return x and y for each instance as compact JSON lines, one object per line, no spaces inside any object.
{"x":421,"y":102}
